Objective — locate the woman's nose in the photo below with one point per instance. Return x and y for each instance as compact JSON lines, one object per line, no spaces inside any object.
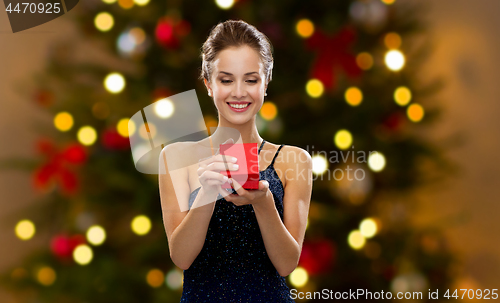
{"x":239,"y":90}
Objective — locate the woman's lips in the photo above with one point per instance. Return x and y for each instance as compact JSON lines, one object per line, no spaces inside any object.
{"x":239,"y":110}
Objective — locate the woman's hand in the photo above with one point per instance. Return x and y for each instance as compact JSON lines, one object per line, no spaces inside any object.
{"x":255,"y":197}
{"x":209,"y":172}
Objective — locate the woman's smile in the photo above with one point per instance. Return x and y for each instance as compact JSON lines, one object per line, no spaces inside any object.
{"x":239,"y":106}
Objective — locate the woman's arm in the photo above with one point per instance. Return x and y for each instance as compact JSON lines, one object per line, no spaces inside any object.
{"x":283,"y":240}
{"x":186,"y":230}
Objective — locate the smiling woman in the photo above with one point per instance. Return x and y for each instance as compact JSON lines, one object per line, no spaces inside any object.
{"x":237,"y":84}
{"x":237,"y":246}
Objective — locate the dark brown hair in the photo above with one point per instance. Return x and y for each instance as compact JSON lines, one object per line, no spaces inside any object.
{"x":235,"y":33}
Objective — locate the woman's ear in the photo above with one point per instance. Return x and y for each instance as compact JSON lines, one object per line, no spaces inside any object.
{"x":207,"y":84}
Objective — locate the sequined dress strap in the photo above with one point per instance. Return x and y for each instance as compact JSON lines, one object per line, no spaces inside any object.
{"x":262,"y":144}
{"x":276,"y":155}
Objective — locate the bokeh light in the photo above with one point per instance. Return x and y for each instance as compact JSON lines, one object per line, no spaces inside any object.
{"x":299,"y":277}
{"x":141,"y":225}
{"x":131,"y":127}
{"x":155,"y":278}
{"x":305,"y":28}
{"x":388,"y":2}
{"x":114,"y":83}
{"x":96,"y":235}
{"x":126,"y":43}
{"x":87,"y":135}
{"x":314,"y":88}
{"x":104,"y":21}
{"x":164,"y":108}
{"x":131,"y":42}
{"x":25,"y":229}
{"x":210,"y":121}
{"x":63,"y":121}
{"x":353,"y":96}
{"x":122,"y":127}
{"x":174,"y":279}
{"x":138,"y":34}
{"x":402,"y":96}
{"x":141,"y":2}
{"x":364,"y":60}
{"x":319,"y":164}
{"x":83,"y":254}
{"x":126,"y":4}
{"x":376,"y":161}
{"x":394,"y":60}
{"x":343,"y":139}
{"x":415,"y":112}
{"x":368,"y":227}
{"x":268,"y":111}
{"x":224,"y":4}
{"x":356,"y":239}
{"x":392,"y":40}
{"x":146,"y":128}
{"x":46,"y":276}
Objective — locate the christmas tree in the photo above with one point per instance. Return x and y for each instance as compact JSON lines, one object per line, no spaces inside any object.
{"x":344,"y":87}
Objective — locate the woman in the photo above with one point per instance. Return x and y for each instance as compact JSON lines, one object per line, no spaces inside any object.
{"x":240,"y":248}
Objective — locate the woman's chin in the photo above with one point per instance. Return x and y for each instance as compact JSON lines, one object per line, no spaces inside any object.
{"x":238,"y":120}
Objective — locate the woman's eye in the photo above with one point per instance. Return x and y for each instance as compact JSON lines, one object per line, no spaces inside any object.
{"x":229,"y":81}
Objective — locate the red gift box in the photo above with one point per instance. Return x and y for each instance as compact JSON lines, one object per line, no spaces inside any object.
{"x":248,"y":160}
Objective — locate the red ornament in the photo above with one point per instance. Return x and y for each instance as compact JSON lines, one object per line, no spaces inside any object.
{"x":57,"y":167}
{"x":317,"y":256}
{"x":63,"y":246}
{"x":169,"y":31}
{"x":333,"y":52}
{"x":74,"y":153}
{"x":111,"y":139}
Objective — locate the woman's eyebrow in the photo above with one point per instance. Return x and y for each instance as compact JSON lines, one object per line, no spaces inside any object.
{"x":232,"y":74}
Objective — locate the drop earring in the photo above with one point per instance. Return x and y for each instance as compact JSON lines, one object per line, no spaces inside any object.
{"x":265,"y":94}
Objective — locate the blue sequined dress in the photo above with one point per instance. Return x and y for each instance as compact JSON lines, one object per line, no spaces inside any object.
{"x":233,"y":265}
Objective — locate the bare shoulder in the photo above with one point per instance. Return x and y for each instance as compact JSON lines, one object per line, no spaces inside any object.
{"x":290,"y":154}
{"x":294,"y":154}
{"x":177,"y":156}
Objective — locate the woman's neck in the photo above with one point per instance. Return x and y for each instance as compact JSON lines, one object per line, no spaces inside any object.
{"x":247,"y":131}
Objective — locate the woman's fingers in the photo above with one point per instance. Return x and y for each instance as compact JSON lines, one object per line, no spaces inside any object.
{"x":263,"y":185}
{"x":213,"y":182}
{"x":238,"y":188}
{"x":224,"y":193}
{"x":218,"y":166}
{"x":217,"y":158}
{"x":208,"y":174}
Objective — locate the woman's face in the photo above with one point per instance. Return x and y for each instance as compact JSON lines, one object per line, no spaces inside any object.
{"x":238,"y":84}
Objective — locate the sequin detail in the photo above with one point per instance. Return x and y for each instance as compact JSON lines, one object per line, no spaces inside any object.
{"x":233,"y":265}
